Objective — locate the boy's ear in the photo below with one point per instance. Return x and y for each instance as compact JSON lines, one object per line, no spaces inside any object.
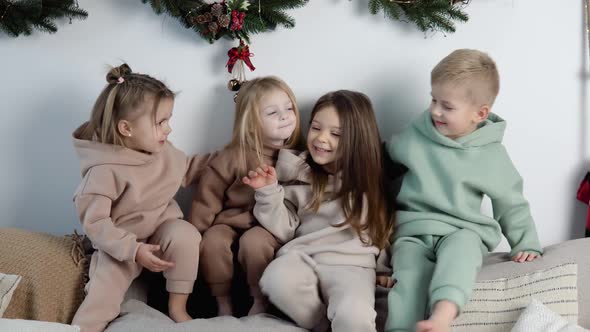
{"x":482,"y":114}
{"x":124,"y":128}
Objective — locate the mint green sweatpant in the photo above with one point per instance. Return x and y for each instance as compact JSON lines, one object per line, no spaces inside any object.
{"x":429,"y":269}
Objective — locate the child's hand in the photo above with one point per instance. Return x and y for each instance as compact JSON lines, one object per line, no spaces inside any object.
{"x":262,"y":176}
{"x":523,"y":256}
{"x":146,"y":258}
{"x":385,"y":281}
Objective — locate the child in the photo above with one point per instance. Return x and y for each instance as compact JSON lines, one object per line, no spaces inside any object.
{"x":126,"y":199}
{"x":266,"y":120}
{"x":331,"y":216}
{"x":454,"y":156}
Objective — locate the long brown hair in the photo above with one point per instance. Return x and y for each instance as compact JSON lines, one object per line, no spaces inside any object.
{"x":247,"y":132}
{"x":121,"y":99}
{"x":360,"y":163}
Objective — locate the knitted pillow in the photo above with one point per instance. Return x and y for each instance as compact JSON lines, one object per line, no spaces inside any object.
{"x":495,"y":305}
{"x":8,"y":284}
{"x":538,"y":318}
{"x":53,"y":274}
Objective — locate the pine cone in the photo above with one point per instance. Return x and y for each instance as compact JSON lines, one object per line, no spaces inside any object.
{"x":213,"y":27}
{"x":200,"y":19}
{"x":208,"y":17}
{"x":223,"y":21}
{"x":216,"y":10}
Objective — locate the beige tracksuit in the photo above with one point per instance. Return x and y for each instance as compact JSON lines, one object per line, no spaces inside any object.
{"x":126,"y":198}
{"x":323,"y":270}
{"x":222,"y":212}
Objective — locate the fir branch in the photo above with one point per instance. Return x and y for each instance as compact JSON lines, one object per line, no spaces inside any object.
{"x":279,"y":4}
{"x":261,"y":16}
{"x":426,"y":14}
{"x":21,"y":17}
{"x":374,"y":6}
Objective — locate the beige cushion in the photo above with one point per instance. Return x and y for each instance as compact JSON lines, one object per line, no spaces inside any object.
{"x":498,"y":265}
{"x":52,"y":270}
{"x":137,"y":316}
{"x":495,"y":305}
{"x":8,"y":284}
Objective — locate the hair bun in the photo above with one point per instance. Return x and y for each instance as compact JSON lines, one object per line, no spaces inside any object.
{"x":118,"y":72}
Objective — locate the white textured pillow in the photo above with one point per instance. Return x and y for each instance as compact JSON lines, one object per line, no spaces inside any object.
{"x":8,"y":283}
{"x":495,"y":305}
{"x":21,"y":325}
{"x":538,"y":318}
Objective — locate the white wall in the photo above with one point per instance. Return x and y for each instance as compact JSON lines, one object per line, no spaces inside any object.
{"x":49,"y":83}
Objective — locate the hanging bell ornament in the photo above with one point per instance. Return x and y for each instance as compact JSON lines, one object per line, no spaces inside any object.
{"x":234,"y":85}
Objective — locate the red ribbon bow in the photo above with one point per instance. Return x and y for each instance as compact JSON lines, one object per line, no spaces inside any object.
{"x":239,"y":53}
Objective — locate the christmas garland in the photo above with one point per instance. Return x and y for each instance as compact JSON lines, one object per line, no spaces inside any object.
{"x":233,"y":19}
{"x":238,"y":19}
{"x":22,"y":16}
{"x":428,"y":15}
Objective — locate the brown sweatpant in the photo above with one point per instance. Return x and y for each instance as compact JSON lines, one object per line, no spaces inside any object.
{"x":256,"y":250}
{"x":110,"y":278}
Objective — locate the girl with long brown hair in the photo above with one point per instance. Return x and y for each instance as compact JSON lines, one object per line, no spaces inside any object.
{"x":331,"y":216}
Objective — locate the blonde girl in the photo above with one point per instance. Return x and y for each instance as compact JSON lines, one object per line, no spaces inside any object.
{"x":266,"y":120}
{"x":126,"y":199}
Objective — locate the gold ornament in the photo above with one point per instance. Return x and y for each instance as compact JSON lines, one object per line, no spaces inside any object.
{"x":234,"y":85}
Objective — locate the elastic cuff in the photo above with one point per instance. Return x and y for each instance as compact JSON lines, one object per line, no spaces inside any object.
{"x":135,"y":251}
{"x":220,"y":289}
{"x":270,"y":189}
{"x":180,"y":286}
{"x":449,"y":293}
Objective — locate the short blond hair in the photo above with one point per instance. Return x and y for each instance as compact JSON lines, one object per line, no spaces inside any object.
{"x":472,"y":69}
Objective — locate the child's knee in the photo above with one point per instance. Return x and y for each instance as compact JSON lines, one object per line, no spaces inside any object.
{"x":254,"y":243}
{"x":272,"y":282}
{"x":280,"y":281}
{"x":218,"y":238}
{"x":185,"y":236}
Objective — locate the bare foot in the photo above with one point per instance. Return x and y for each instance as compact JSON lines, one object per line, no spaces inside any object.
{"x":432,"y":325}
{"x":177,"y":307}
{"x":259,"y":306}
{"x":224,"y":306}
{"x":441,"y":319}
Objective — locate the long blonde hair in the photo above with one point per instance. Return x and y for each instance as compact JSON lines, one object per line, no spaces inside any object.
{"x":247,"y":133}
{"x":120,"y":99}
{"x":360,"y":163}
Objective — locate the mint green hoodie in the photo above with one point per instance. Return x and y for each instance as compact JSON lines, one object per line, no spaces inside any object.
{"x":446,"y":180}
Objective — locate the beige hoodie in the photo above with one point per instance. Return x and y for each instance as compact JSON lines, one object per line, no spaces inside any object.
{"x":282,"y":211}
{"x":125,"y":194}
